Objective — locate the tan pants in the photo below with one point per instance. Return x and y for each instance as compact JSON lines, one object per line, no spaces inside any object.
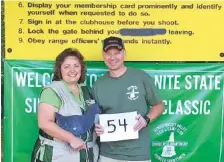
{"x":105,"y":159}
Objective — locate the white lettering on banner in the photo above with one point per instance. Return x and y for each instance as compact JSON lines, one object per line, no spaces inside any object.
{"x":167,"y":127}
{"x":32,"y":105}
{"x":197,"y":82}
{"x":92,"y":78}
{"x":167,"y":81}
{"x":32,"y":79}
{"x":118,"y":126}
{"x":203,"y":82}
{"x":187,"y":107}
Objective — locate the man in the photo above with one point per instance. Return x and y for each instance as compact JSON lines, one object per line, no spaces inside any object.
{"x":123,"y":90}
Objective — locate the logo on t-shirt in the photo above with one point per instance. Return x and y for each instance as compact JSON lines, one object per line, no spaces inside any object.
{"x":132,"y":92}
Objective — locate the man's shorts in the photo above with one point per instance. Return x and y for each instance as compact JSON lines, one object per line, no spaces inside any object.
{"x":105,"y":159}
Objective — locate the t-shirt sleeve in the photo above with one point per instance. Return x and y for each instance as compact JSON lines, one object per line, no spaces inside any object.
{"x":152,"y":94}
{"x":92,"y":91}
{"x":50,"y":97}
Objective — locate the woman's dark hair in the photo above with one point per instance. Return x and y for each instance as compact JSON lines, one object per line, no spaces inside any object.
{"x":60,"y":59}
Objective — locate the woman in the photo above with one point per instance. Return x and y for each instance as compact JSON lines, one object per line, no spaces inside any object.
{"x":66,"y":97}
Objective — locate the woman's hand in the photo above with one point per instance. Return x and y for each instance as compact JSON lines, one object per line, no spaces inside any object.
{"x":99,"y":129}
{"x":46,"y":118}
{"x":77,"y":144}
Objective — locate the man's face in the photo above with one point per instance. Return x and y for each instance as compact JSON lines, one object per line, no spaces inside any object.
{"x":114,"y":58}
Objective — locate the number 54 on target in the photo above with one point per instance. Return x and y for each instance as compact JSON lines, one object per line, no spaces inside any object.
{"x":118,"y":127}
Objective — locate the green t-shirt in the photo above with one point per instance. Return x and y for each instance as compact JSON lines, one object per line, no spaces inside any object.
{"x":49,"y":96}
{"x":133,"y":91}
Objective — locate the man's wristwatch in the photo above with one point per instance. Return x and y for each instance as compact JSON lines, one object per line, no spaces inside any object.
{"x":147,"y":119}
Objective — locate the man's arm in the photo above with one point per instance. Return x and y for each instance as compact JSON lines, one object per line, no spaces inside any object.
{"x":156,"y":111}
{"x":152,"y":98}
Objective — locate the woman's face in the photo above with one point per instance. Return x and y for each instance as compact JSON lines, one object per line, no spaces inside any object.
{"x":71,"y":69}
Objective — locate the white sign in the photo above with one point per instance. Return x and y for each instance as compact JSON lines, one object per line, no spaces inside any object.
{"x":118,"y":126}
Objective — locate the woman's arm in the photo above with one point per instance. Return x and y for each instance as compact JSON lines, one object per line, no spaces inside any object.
{"x":46,"y":118}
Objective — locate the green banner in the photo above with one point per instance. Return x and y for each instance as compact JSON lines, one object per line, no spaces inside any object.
{"x":190,"y":129}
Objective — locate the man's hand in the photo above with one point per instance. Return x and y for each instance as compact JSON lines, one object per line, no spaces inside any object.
{"x":141,"y":123}
{"x":99,"y":129}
